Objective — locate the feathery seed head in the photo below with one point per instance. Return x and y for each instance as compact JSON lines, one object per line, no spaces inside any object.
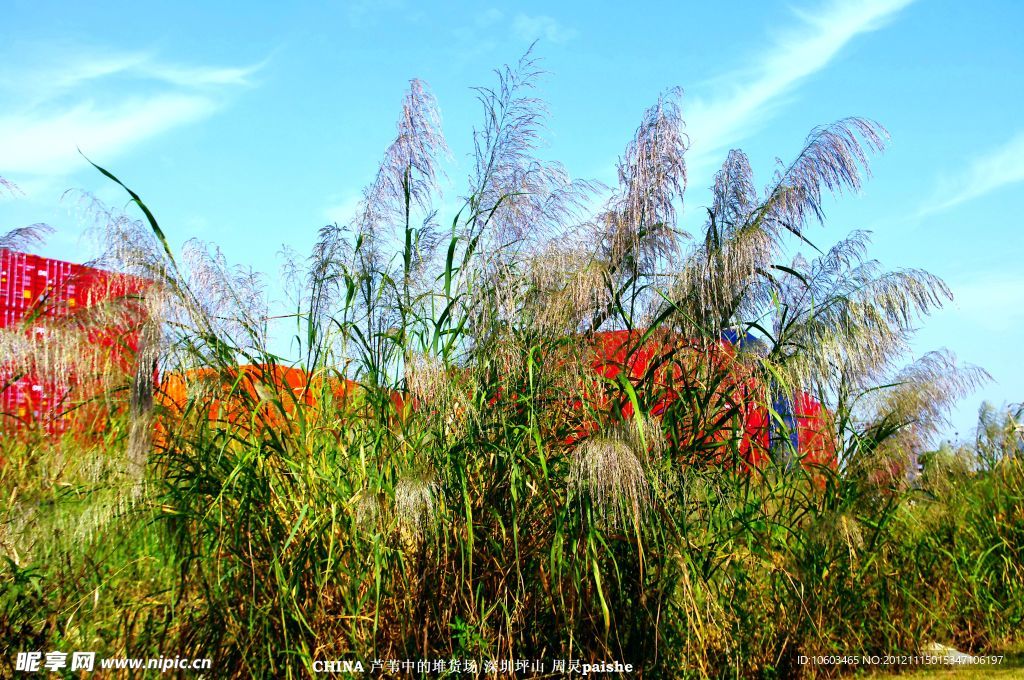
{"x":414,"y":503}
{"x":610,"y":471}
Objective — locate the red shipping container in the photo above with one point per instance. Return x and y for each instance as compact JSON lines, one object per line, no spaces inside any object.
{"x":38,"y":293}
{"x":618,"y":351}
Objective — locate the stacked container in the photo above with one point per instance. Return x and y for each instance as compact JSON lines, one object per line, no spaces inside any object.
{"x":37,"y":295}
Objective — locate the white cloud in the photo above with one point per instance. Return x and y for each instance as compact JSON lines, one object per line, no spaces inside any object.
{"x":527,"y":27}
{"x":344,"y":210}
{"x":101,"y":103}
{"x":363,"y":14}
{"x":719,"y":122}
{"x":991,"y":303}
{"x":994,"y":170}
{"x":202,"y":76}
{"x":49,"y":80}
{"x":488,"y":17}
{"x":473,"y":40}
{"x":48,"y":144}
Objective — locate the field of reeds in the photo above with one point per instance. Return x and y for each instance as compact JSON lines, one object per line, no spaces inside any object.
{"x":476,"y":491}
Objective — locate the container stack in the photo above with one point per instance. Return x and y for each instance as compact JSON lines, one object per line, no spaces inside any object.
{"x":40,"y":297}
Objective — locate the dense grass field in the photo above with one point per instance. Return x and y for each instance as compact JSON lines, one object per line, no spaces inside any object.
{"x":445,"y":504}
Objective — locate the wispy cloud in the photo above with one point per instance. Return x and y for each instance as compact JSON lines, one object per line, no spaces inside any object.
{"x":994,"y":170}
{"x":344,"y":209}
{"x":48,"y":144}
{"x":475,"y":38}
{"x":990,"y":302}
{"x":488,"y":17}
{"x":47,"y":81}
{"x":486,"y":29}
{"x":102,"y":103}
{"x":747,"y":98}
{"x":363,"y":14}
{"x":526,"y":27}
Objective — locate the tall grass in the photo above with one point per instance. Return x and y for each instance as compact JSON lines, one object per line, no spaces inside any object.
{"x":441,"y":511}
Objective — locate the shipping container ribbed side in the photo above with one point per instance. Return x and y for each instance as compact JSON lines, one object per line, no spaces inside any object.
{"x":670,"y":366}
{"x":45,"y":300}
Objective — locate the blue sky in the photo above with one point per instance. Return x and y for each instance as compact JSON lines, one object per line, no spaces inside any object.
{"x":254,"y":129}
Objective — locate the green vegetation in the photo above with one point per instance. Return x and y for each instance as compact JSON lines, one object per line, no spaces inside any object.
{"x":456,"y":521}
